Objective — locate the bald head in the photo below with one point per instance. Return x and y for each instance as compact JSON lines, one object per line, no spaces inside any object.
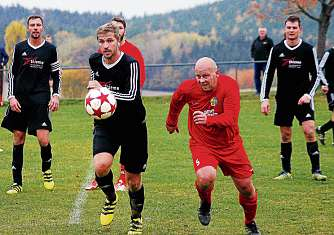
{"x":206,"y":73}
{"x":206,"y":63}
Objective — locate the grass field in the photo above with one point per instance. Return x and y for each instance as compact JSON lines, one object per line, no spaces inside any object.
{"x":298,"y":206}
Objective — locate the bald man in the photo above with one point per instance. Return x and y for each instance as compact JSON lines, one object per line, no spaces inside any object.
{"x":214,"y":105}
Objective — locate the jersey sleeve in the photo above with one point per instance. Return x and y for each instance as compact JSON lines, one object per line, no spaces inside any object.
{"x":13,"y":73}
{"x":177,"y":102}
{"x":323,"y":66}
{"x":56,"y":72}
{"x":313,"y":70}
{"x":231,"y":109}
{"x":130,"y":91}
{"x":268,"y":75}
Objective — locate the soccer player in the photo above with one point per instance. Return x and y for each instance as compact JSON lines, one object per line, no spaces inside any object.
{"x":126,"y":128}
{"x":260,"y":50}
{"x":214,"y":105}
{"x":34,"y":61}
{"x":3,"y":62}
{"x":131,"y":50}
{"x":326,"y":70}
{"x":295,"y":60}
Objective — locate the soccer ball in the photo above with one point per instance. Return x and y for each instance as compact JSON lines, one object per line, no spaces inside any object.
{"x":100,"y":103}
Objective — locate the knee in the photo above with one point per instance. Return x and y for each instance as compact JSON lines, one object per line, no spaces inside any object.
{"x":19,"y":138}
{"x":247,"y":191}
{"x":134,"y":182}
{"x":101,"y":168}
{"x":286,"y":137}
{"x":309,"y":133}
{"x":206,"y":180}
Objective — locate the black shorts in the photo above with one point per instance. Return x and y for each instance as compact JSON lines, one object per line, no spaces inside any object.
{"x":286,"y":111}
{"x":133,"y":143}
{"x":330,"y":100}
{"x":32,"y":117}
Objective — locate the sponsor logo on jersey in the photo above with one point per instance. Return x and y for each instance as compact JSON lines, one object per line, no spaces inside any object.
{"x":33,"y":62}
{"x":97,"y":74}
{"x":24,"y":54}
{"x":281,"y":55}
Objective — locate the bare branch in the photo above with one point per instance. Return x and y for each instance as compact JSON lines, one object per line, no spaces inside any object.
{"x":304,"y":11}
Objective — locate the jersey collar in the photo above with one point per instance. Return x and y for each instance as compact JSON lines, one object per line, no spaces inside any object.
{"x":295,"y":47}
{"x":40,"y":45}
{"x":109,"y":66}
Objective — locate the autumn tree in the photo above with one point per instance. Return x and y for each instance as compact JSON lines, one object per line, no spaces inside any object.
{"x":317,"y":10}
{"x":14,"y":33}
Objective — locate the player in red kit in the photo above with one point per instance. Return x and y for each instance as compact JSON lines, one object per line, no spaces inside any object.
{"x":129,"y":49}
{"x":214,"y":105}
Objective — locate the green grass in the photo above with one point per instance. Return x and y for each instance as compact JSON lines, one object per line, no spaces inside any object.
{"x":299,"y":206}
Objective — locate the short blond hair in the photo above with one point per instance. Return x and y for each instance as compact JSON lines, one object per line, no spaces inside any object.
{"x":108,"y":28}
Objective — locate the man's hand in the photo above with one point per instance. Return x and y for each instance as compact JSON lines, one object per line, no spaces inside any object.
{"x":93,"y":84}
{"x":305,"y":99}
{"x":199,"y":118}
{"x":14,"y":105}
{"x":265,"y":107}
{"x":54,"y":103}
{"x":324,"y":89}
{"x":172,"y":129}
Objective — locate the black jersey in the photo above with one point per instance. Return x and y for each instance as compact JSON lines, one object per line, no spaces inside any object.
{"x":327,"y":66}
{"x":122,"y":78}
{"x":296,"y":71}
{"x":31,"y":70}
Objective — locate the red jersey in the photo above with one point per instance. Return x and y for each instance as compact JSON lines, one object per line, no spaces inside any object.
{"x":132,"y":50}
{"x":221,"y":105}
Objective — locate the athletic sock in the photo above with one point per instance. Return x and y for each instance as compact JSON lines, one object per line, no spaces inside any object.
{"x":249,"y":205}
{"x":314,"y":154}
{"x":328,"y":125}
{"x":17,"y":163}
{"x":137,"y":199}
{"x":204,"y":194}
{"x":46,"y":156}
{"x":106,"y":185}
{"x":286,"y":150}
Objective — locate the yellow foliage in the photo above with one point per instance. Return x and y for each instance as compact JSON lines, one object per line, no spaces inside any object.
{"x":14,"y":33}
{"x":74,"y":83}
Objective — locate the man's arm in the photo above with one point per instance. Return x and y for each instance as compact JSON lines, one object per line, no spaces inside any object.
{"x":4,"y":57}
{"x":268,"y":76}
{"x":315,"y":79}
{"x":178,"y":101}
{"x":56,"y":77}
{"x":13,"y":102}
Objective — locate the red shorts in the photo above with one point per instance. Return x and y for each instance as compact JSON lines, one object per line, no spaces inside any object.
{"x":235,"y":164}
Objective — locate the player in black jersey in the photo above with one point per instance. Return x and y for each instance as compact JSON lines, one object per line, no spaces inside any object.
{"x":295,"y":60}
{"x":34,"y":61}
{"x":326,"y":69}
{"x":126,"y":128}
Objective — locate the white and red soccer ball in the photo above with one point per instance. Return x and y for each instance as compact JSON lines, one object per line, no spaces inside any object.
{"x":100,"y":103}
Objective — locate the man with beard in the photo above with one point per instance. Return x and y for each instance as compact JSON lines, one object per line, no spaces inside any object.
{"x":295,"y":60}
{"x":34,"y":61}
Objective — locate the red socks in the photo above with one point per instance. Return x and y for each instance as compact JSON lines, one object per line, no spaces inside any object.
{"x":250,"y":206}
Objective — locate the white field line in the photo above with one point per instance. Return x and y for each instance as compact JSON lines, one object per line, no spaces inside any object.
{"x":80,"y":199}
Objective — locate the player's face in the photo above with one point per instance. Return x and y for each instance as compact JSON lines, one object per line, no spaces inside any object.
{"x":206,"y":78}
{"x":292,"y":30}
{"x":121,"y":29}
{"x":108,"y":44}
{"x":35,"y":28}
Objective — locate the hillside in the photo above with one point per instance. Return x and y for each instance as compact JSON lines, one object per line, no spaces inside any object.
{"x":221,"y":30}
